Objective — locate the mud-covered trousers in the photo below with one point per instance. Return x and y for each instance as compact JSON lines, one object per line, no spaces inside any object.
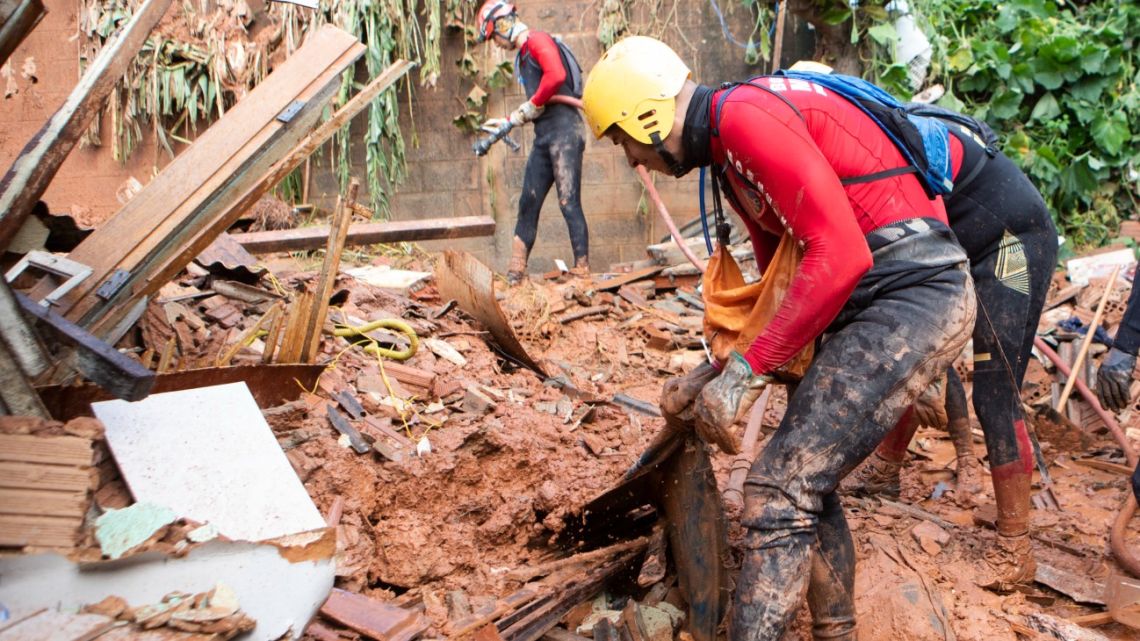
{"x":555,"y":159}
{"x":908,"y":319}
{"x":1007,"y":231}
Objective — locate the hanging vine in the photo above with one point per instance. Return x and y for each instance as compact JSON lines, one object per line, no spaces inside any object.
{"x":208,"y":53}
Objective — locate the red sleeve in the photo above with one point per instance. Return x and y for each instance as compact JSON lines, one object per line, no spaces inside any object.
{"x":775,"y":152}
{"x":763,"y":244}
{"x":545,"y":51}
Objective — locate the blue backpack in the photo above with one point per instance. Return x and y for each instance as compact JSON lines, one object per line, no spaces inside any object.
{"x":924,"y":142}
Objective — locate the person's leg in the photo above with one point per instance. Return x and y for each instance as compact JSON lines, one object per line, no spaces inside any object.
{"x":831,"y":592}
{"x":566,"y":155}
{"x":958,"y":424}
{"x":861,"y":382}
{"x":537,"y":179}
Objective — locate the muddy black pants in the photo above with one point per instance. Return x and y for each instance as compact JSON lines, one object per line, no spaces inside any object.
{"x":555,"y":159}
{"x":1008,"y":233}
{"x":909,"y":318}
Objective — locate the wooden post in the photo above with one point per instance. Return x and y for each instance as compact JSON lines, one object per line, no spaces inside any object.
{"x":28,"y":179}
{"x":341,"y":219}
{"x":1076,"y":368}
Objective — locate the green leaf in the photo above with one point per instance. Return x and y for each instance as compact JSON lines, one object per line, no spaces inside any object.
{"x":884,"y":34}
{"x":1005,"y":104}
{"x":961,"y":59}
{"x":836,"y":15}
{"x":1045,"y":109}
{"x":1111,"y":132}
{"x":1089,"y":88}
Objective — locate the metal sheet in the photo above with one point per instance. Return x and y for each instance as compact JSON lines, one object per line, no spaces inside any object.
{"x":229,"y":254}
{"x":270,"y":385}
{"x":470,"y":283}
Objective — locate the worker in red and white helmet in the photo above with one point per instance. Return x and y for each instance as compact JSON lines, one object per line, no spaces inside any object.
{"x":547,"y":68}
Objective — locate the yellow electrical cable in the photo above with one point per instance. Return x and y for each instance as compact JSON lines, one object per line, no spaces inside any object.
{"x":373,"y":347}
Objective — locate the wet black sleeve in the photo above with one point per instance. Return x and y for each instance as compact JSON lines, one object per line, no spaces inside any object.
{"x":1128,"y":334}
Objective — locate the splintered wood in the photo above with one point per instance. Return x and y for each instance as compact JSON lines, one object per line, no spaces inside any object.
{"x":46,"y":476}
{"x":196,"y":197}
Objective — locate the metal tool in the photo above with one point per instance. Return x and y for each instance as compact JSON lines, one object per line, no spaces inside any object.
{"x":483,"y":145}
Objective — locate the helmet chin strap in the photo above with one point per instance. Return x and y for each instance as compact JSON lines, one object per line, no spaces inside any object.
{"x":677,"y":169}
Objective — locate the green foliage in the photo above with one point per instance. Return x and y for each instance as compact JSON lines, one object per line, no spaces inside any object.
{"x":1061,"y":83}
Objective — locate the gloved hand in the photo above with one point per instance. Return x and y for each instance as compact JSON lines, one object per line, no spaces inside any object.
{"x":1114,"y":380}
{"x":678,"y":393}
{"x":491,"y":125}
{"x":526,"y":112}
{"x":930,"y":406}
{"x":724,"y":400}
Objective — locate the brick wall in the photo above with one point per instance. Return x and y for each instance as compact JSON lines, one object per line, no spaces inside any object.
{"x":444,"y":177}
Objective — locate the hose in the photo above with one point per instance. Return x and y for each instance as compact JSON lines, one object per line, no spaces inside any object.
{"x":371,"y":346}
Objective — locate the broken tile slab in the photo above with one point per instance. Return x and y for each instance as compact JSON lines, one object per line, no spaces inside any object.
{"x":385,"y":277}
{"x":254,"y":572}
{"x":209,"y":455}
{"x":372,"y":618}
{"x":120,"y":531}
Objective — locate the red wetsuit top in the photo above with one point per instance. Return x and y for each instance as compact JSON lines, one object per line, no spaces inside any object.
{"x":541,"y":48}
{"x":785,"y":173}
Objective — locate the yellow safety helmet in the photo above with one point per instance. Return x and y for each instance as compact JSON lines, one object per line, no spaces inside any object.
{"x":635,"y":85}
{"x":811,"y":65}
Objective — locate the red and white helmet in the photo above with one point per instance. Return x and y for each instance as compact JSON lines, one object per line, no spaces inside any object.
{"x":491,"y":11}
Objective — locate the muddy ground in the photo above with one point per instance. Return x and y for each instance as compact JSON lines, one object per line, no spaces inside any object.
{"x":500,"y":479}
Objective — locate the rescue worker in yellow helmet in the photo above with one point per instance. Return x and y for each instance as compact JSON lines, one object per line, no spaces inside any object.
{"x":881,"y":274}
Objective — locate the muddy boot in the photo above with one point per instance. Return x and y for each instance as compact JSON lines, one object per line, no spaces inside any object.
{"x":581,"y":268}
{"x":516,"y":269}
{"x":769,"y":590}
{"x":969,"y":483}
{"x":1009,"y":562}
{"x":876,"y":476}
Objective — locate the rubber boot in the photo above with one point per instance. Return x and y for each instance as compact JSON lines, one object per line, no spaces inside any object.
{"x":879,"y":474}
{"x":581,"y":268}
{"x":516,"y":269}
{"x":1010,"y":561}
{"x":969,"y":483}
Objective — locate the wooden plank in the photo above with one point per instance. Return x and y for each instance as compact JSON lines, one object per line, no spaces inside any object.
{"x":342,"y":218}
{"x":17,"y":396}
{"x":99,"y":362}
{"x":43,"y":503}
{"x":168,"y":250}
{"x":396,"y":231}
{"x":173,"y":251}
{"x":409,"y":375}
{"x":40,"y":531}
{"x":17,"y":19}
{"x":18,"y":334}
{"x":372,"y":618}
{"x":28,"y":179}
{"x":45,"y":477}
{"x":55,"y":450}
{"x":209,"y":165}
{"x":625,"y":279}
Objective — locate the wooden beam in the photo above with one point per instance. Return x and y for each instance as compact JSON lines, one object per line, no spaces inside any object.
{"x":341,"y":219}
{"x":17,"y":19}
{"x":99,"y":362}
{"x":396,"y":231}
{"x":19,"y":336}
{"x":174,"y":230}
{"x":28,"y":179}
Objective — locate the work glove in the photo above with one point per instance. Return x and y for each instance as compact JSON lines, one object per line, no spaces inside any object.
{"x":930,"y":406}
{"x":723,"y":401}
{"x":526,"y":112}
{"x":492,"y":125}
{"x":1114,"y":380}
{"x":679,"y":392}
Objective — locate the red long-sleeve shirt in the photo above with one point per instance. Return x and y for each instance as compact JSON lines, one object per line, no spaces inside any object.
{"x":541,"y":47}
{"x":786,"y":174}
